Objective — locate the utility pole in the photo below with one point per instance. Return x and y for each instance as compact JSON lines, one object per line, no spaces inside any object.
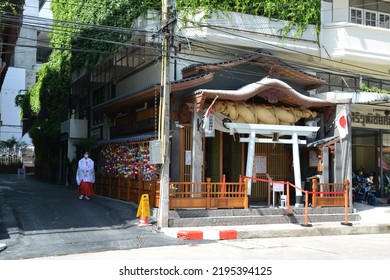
{"x":164,"y":119}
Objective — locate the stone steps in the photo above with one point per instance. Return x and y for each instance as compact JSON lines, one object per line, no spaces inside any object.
{"x":255,"y":216}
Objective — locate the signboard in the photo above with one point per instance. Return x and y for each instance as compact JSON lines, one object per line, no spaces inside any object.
{"x":313,"y":159}
{"x":260,"y":164}
{"x":365,"y":116}
{"x":209,"y":130}
{"x":21,"y":174}
{"x":278,"y":187}
{"x":188,"y":158}
{"x":155,"y":151}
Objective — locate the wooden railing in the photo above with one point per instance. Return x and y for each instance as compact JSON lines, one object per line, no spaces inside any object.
{"x":181,"y":194}
{"x":329,"y":194}
{"x":126,"y":189}
{"x":208,"y":195}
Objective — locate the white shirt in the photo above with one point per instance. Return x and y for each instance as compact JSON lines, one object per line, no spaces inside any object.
{"x":85,"y":171}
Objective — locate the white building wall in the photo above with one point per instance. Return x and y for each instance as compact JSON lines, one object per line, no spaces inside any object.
{"x":359,"y":49}
{"x":138,"y":81}
{"x":14,"y":81}
{"x":258,"y":32}
{"x":25,"y":57}
{"x":366,"y":45}
{"x":326,"y":12}
{"x":22,"y":74}
{"x":341,"y":11}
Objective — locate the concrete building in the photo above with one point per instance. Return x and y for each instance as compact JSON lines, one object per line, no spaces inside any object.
{"x":29,"y":51}
{"x":233,"y":57}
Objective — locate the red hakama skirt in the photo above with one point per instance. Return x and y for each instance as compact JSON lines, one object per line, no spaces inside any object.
{"x":85,"y":188}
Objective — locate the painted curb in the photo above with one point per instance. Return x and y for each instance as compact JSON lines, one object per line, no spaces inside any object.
{"x":207,"y":234}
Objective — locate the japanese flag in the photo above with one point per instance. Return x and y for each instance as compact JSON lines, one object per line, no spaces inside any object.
{"x":342,"y":123}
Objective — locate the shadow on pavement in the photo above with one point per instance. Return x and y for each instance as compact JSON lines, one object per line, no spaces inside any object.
{"x":3,"y":233}
{"x":38,"y":206}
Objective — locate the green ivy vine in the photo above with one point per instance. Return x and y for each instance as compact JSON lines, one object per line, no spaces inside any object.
{"x":98,"y":26}
{"x":365,"y":88}
{"x":7,"y":7}
{"x":76,"y":28}
{"x":299,"y":14}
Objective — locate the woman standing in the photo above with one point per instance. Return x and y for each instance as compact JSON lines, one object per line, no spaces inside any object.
{"x":85,"y":176}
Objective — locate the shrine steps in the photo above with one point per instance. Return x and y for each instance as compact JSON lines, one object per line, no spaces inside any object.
{"x":256,"y":216}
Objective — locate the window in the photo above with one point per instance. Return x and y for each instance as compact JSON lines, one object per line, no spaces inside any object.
{"x":384,"y":20}
{"x":97,"y":119}
{"x":338,"y":83}
{"x":374,"y":84}
{"x":386,"y":86}
{"x":349,"y":83}
{"x":370,"y":18}
{"x":103,"y":94}
{"x":356,"y":15}
{"x":370,"y":13}
{"x":98,"y":96}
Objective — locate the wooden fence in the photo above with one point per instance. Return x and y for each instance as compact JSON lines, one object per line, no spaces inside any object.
{"x":208,"y":195}
{"x":329,"y":194}
{"x":181,"y":194}
{"x":125,"y":189}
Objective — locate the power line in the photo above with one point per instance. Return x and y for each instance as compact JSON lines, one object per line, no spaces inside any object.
{"x":50,"y":24}
{"x":244,"y":52}
{"x":196,"y":55}
{"x":224,"y":30}
{"x":230,"y":72}
{"x":119,"y":17}
{"x":59,"y":29}
{"x":103,"y":8}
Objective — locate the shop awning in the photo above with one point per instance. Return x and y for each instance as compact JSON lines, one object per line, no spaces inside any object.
{"x":324,"y":142}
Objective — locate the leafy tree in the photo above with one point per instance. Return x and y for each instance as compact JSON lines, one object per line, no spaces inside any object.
{"x":9,"y":8}
{"x":4,"y":6}
{"x":84,"y":145}
{"x":9,"y":145}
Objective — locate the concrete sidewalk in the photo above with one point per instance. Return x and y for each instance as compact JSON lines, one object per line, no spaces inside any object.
{"x":374,"y":220}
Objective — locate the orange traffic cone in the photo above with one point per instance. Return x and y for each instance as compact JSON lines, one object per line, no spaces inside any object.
{"x":143,"y":221}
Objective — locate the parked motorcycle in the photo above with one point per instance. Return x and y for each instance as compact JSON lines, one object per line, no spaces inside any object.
{"x":362,"y":190}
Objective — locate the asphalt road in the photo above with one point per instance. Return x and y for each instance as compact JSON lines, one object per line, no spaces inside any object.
{"x":367,"y":247}
{"x":340,"y":256}
{"x":38,"y":219}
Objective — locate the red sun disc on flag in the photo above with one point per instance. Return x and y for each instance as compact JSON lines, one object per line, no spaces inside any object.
{"x":343,"y":121}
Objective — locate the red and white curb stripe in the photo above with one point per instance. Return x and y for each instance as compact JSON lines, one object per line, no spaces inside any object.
{"x":201,"y":234}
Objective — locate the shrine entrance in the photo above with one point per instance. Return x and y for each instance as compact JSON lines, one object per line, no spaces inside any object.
{"x":277,"y":134}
